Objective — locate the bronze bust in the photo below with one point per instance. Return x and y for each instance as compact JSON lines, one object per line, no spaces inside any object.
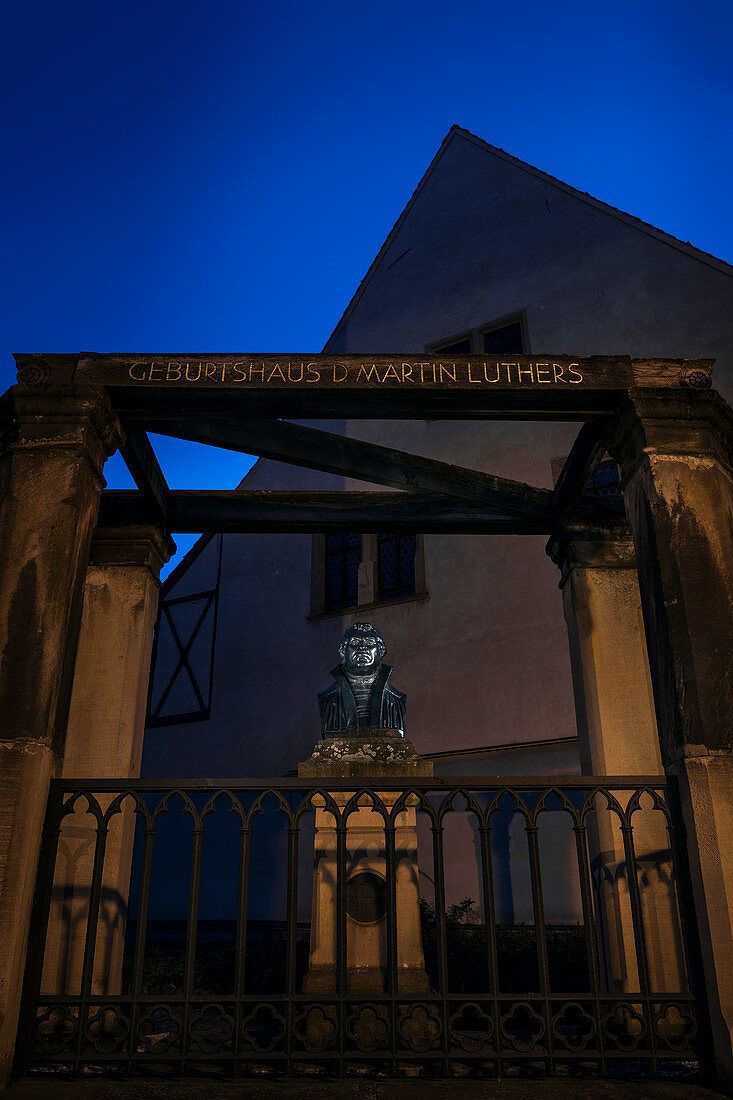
{"x":361,"y":696}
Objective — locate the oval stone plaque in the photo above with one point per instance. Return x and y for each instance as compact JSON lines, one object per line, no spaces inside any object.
{"x":366,"y":900}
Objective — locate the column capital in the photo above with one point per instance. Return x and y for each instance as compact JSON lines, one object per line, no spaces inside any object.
{"x":681,"y":424}
{"x":145,"y":545}
{"x":575,"y":545}
{"x":72,"y":418}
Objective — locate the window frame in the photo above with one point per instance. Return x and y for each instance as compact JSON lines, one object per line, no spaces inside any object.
{"x":368,"y":590}
{"x":476,"y":335}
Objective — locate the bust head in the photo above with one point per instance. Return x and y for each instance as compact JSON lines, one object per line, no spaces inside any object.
{"x":362,"y":648}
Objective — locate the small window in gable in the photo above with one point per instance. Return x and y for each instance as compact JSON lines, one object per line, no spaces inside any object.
{"x":507,"y":338}
{"x":504,"y":340}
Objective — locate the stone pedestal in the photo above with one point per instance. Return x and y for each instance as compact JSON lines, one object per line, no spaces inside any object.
{"x":371,"y":754}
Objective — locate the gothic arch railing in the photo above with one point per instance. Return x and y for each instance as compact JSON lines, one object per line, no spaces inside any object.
{"x":506,"y":983}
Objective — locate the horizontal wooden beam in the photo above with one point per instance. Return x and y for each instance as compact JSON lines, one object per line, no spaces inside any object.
{"x":319,"y":404}
{"x":354,"y":458}
{"x":285,"y":512}
{"x":542,"y":386}
{"x":145,"y":470}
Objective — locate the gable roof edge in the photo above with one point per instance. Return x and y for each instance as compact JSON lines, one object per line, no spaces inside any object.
{"x":628,"y":219}
{"x":598,"y":204}
{"x":351,"y":306}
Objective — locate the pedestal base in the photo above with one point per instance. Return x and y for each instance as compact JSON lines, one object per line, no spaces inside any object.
{"x":367,"y":756}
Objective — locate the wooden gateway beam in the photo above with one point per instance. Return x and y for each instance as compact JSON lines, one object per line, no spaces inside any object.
{"x":285,"y":512}
{"x":585,"y":454}
{"x":145,"y":470}
{"x":337,"y":454}
{"x":542,"y":386}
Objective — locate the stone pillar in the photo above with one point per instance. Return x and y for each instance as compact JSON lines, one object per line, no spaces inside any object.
{"x":53,"y":445}
{"x":365,"y":757}
{"x":104,"y":740}
{"x":617,"y":734}
{"x":675,"y":450}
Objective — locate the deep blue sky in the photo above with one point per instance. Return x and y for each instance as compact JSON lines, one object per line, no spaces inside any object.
{"x":218,"y":176}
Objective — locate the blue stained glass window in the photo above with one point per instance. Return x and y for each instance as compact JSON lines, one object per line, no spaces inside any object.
{"x":396,"y":560}
{"x":605,"y":480}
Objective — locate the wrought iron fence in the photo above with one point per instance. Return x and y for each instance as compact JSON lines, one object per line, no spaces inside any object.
{"x":350,"y":942}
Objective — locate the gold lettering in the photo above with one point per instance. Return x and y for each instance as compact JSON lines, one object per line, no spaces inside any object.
{"x":486,"y":373}
{"x":276,"y":370}
{"x":290,"y":373}
{"x":137,"y":377}
{"x":311,"y":368}
{"x":508,"y":370}
{"x":406,"y":372}
{"x":242,"y":374}
{"x":470,"y":376}
{"x":394,"y":373}
{"x":155,"y":366}
{"x":572,"y":370}
{"x":543,"y":368}
{"x":557,"y":371}
{"x":446,"y":370}
{"x":210,"y":370}
{"x":257,"y":370}
{"x":367,"y":373}
{"x":527,"y":370}
{"x":169,"y":377}
{"x":198,"y":373}
{"x":422,"y":367}
{"x":344,"y":376}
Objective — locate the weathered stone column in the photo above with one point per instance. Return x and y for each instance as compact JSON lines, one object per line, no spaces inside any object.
{"x":104,"y":739}
{"x":675,"y":449}
{"x":53,"y":445}
{"x":617,"y":735}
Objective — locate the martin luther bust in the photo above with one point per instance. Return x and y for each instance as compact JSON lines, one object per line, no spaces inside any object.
{"x":361,"y":696}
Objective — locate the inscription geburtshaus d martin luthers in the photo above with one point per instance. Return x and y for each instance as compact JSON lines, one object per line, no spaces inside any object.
{"x":363,"y":373}
{"x":408,"y":373}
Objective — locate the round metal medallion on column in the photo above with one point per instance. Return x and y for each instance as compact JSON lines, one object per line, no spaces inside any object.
{"x":366,"y":900}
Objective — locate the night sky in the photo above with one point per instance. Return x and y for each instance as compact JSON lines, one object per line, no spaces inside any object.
{"x":218,"y":177}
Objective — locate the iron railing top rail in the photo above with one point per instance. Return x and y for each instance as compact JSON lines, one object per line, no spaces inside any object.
{"x":432,"y":783}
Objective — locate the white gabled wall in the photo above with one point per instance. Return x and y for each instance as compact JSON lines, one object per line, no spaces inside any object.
{"x":484,"y":659}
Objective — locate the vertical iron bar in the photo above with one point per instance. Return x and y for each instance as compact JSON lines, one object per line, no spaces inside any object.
{"x":492,"y":952}
{"x":90,"y":939}
{"x":591,"y":943}
{"x":240,"y":948}
{"x":392,"y":977}
{"x":189,"y":969}
{"x":341,"y":956}
{"x":540,"y":934}
{"x":638,"y":924}
{"x":141,"y":934}
{"x":38,"y":930}
{"x":688,"y":919}
{"x":439,"y":872}
{"x":291,"y":934}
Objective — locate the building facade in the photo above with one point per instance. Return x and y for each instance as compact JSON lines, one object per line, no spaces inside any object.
{"x":490,"y":255}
